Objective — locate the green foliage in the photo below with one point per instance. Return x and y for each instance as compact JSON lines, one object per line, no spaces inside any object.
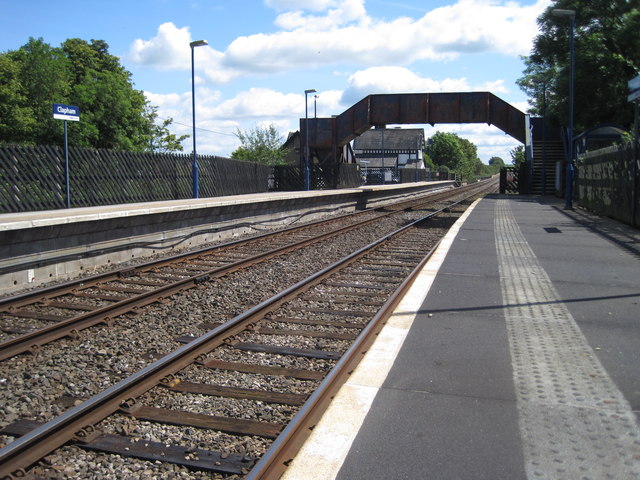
{"x":159,"y":138}
{"x":607,"y":35}
{"x":493,"y":168}
{"x":113,"y":115}
{"x":468,"y":167}
{"x":496,"y":163}
{"x":459,"y":155}
{"x":445,"y":149}
{"x":260,"y":145}
{"x":428,"y":163}
{"x":15,"y":114}
{"x":517,"y":155}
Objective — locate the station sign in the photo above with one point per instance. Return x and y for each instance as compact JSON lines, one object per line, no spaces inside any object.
{"x":634,"y":89}
{"x":66,"y":112}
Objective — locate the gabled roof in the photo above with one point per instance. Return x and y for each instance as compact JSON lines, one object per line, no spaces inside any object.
{"x":410,"y":139}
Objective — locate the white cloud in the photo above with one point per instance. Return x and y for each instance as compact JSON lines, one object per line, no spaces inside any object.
{"x":314,"y":5}
{"x":260,"y":103}
{"x":343,"y":33}
{"x":402,"y":80}
{"x":345,"y":12}
{"x":168,"y":50}
{"x":470,"y":26}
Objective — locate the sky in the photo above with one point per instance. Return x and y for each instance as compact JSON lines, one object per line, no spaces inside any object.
{"x":263,"y":54}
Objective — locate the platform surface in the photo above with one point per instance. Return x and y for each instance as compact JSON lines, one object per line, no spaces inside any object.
{"x":515,"y":356}
{"x":25,"y":220}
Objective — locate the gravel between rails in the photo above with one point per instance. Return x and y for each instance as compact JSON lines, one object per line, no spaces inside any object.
{"x":70,"y":370}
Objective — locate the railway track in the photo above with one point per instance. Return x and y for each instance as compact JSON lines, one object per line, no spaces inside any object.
{"x":31,"y":320}
{"x":305,"y":336}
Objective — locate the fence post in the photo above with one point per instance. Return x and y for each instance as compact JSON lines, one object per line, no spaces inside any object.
{"x":634,"y":191}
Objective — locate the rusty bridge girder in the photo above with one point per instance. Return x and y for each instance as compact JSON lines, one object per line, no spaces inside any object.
{"x":327,"y":136}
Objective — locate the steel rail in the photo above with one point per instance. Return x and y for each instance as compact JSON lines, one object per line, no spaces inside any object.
{"x":58,"y":289}
{"x":74,"y":423}
{"x":274,"y":462}
{"x":32,"y":341}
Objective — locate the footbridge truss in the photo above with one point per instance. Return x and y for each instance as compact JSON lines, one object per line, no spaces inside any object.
{"x":328,"y":136}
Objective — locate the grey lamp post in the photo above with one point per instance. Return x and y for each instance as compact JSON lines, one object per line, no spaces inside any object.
{"x":568,"y":199}
{"x":306,"y":143}
{"x":196,"y":186}
{"x":544,"y":132}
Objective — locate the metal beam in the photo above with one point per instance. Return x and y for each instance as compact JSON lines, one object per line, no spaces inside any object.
{"x":415,"y":108}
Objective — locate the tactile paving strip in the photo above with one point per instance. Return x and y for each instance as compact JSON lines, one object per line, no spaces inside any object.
{"x":574,"y":422}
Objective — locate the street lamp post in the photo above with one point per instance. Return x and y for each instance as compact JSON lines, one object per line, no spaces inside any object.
{"x":196,"y":186}
{"x":306,"y":143}
{"x":544,"y":138}
{"x":544,"y":133}
{"x":568,"y":200}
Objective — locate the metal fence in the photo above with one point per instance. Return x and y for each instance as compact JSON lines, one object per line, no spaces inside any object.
{"x":33,"y":178}
{"x":382,"y":176}
{"x":343,"y":175}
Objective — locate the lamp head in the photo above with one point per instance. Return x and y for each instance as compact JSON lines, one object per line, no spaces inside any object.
{"x":306,"y":92}
{"x":198,"y":43}
{"x":558,"y":12}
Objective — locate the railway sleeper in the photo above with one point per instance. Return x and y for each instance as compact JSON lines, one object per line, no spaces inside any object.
{"x":235,"y":426}
{"x":294,"y":399}
{"x":126,"y":446}
{"x":264,"y":369}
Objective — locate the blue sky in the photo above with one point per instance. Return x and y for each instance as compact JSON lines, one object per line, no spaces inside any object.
{"x":263,"y":54}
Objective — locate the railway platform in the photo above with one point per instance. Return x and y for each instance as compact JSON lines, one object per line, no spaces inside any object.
{"x":56,"y":245}
{"x":516,"y":355}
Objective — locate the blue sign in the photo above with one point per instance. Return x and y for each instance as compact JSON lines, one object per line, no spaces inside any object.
{"x":66,"y":112}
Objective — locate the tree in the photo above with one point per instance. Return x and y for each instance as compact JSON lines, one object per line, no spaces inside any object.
{"x":459,"y":155}
{"x":160,"y":139}
{"x":428,"y":163}
{"x":114,"y":111}
{"x":16,"y":117}
{"x":42,"y":81}
{"x":496,"y":162}
{"x":260,"y":145}
{"x":607,"y":35}
{"x":444,"y":149}
{"x":517,"y":155}
{"x":113,"y":114}
{"x":469,"y":164}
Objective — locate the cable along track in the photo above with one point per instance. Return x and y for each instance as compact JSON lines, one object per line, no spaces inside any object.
{"x":344,"y":305}
{"x":34,"y":319}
